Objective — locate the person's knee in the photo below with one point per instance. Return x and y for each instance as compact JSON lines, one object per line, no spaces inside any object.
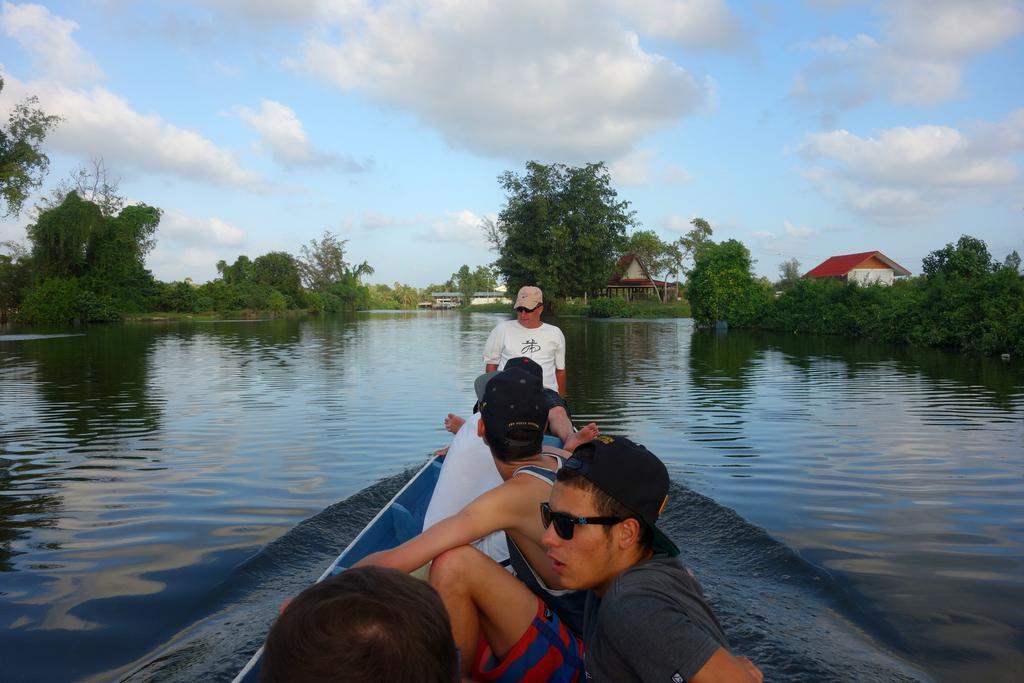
{"x":557,"y":412}
{"x":453,"y":569}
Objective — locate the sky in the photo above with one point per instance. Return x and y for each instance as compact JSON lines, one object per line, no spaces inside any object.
{"x":804,"y":129}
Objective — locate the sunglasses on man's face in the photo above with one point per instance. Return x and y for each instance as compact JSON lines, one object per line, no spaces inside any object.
{"x":524,"y":309}
{"x":566,"y":524}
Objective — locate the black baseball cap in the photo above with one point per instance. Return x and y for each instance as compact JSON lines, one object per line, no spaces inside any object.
{"x":630,"y":474}
{"x":514,"y":411}
{"x":522,"y":363}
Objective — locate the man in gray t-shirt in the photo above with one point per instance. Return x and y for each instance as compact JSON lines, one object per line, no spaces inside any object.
{"x":646,"y":618}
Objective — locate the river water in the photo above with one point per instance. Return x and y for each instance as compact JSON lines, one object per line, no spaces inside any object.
{"x":855,"y":511}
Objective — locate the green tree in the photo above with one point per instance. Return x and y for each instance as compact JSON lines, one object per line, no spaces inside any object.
{"x":406,"y":296}
{"x":466,"y":282}
{"x":969,"y":257}
{"x":279,"y":270}
{"x":789,"y":274}
{"x":693,"y":241}
{"x":1012,"y":261}
{"x":687,"y":246}
{"x":323,"y":264}
{"x":61,"y":237}
{"x":560,"y":228}
{"x":116,"y":256}
{"x":15,"y":276}
{"x":104,"y":256}
{"x":237,"y":273}
{"x":723,"y":288}
{"x":91,"y":184}
{"x":23,"y":165}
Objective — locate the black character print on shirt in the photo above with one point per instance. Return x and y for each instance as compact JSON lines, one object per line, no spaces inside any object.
{"x":530,"y":346}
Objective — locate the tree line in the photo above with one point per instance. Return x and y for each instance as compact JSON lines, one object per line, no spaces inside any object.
{"x":964,"y":300}
{"x":563,"y":229}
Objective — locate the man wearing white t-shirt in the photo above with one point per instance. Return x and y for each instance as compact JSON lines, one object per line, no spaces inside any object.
{"x":545,"y":345}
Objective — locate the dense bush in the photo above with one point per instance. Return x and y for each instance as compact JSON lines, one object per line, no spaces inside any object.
{"x":722,"y":286}
{"x":60,"y":300}
{"x":176,"y":296}
{"x":965,"y":300}
{"x":610,"y":307}
{"x":983,"y":313}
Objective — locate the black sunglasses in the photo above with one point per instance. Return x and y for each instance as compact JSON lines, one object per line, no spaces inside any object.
{"x":566,"y":524}
{"x":524,"y":309}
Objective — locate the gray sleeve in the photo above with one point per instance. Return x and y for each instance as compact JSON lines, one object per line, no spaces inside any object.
{"x":653,"y":640}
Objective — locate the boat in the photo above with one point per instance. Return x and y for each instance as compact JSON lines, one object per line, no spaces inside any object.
{"x":397,"y":522}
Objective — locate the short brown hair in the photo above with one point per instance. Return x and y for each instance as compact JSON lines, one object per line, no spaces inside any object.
{"x":364,"y":625}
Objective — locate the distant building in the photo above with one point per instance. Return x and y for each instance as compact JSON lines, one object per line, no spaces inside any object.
{"x":498,"y":296}
{"x":866,"y":268}
{"x":630,"y":280}
{"x":446,"y":299}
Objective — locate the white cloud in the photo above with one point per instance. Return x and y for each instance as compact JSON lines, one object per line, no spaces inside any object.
{"x":227,"y":70}
{"x":276,"y":12}
{"x":951,"y":29}
{"x":638,"y":168}
{"x":462,"y":226}
{"x":632,"y":169}
{"x":375,"y":221}
{"x":908,"y":173}
{"x":282,"y":132}
{"x":100,"y":124}
{"x":97,"y":123}
{"x":797,"y":231}
{"x":185,"y":230}
{"x":188,"y":246}
{"x":546,"y":79}
{"x":700,"y":24}
{"x":919,"y":58}
{"x":48,"y":38}
{"x":675,"y":175}
{"x":676,"y":223}
{"x":936,"y":155}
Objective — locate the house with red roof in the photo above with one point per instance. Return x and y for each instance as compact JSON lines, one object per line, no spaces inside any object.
{"x":631,"y":280}
{"x":865,"y":268}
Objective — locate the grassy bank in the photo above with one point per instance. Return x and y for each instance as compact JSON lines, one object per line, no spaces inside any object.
{"x":242,"y":314}
{"x":645,"y":308}
{"x":596,"y":308}
{"x":604,"y":308}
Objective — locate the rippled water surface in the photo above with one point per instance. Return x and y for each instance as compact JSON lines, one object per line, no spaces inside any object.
{"x":145,"y":469}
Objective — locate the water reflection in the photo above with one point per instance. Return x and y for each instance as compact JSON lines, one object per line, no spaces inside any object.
{"x":140,"y":464}
{"x":70,"y":404}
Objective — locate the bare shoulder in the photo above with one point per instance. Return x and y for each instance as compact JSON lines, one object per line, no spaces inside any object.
{"x":555,"y":450}
{"x":526,"y":487}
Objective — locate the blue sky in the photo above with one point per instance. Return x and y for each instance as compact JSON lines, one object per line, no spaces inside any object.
{"x":803,"y":129}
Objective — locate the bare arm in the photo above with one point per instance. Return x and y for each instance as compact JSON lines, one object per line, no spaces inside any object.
{"x":723,"y":667}
{"x":560,"y":380}
{"x":486,"y":514}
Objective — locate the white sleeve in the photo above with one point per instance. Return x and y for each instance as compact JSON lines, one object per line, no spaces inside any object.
{"x":560,"y":351}
{"x":492,"y":349}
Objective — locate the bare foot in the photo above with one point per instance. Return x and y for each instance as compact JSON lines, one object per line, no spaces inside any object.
{"x":453,"y":423}
{"x":581,"y":436}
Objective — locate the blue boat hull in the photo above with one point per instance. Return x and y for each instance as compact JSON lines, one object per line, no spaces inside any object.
{"x":399,"y":520}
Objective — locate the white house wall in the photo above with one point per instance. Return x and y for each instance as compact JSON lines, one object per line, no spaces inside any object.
{"x":871,"y":276}
{"x":634,"y":272}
